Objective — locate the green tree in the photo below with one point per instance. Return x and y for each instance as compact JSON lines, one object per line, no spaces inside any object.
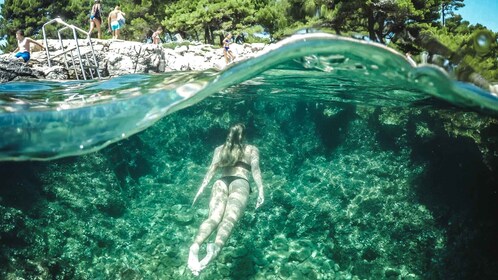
{"x":381,"y":20}
{"x":448,"y":7}
{"x":272,"y":16}
{"x":18,"y":15}
{"x":30,"y":15}
{"x":208,"y":19}
{"x":143,"y":17}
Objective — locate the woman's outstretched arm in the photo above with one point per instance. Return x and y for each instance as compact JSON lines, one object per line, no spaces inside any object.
{"x":209,"y":174}
{"x":256,"y":175}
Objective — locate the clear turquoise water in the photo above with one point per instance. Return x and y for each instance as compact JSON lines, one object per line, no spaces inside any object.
{"x":47,"y":120}
{"x":373,"y":170}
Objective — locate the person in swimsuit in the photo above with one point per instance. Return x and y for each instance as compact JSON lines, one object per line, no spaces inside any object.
{"x":156,"y":36}
{"x":24,"y":46}
{"x":96,"y":19}
{"x":229,"y":195}
{"x":229,"y":56}
{"x":114,"y":21}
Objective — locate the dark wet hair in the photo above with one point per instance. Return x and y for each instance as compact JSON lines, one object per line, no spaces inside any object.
{"x":233,"y":149}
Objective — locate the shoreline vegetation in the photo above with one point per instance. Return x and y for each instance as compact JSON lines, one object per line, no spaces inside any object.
{"x":421,"y":30}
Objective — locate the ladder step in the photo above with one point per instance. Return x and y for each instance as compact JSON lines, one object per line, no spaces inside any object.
{"x":62,"y":52}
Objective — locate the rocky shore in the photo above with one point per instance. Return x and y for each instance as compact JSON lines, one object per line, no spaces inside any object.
{"x":118,"y":57}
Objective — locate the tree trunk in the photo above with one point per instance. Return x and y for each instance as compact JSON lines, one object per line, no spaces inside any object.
{"x":380,"y":30}
{"x":443,"y":13}
{"x":207,"y":35}
{"x":371,"y":26}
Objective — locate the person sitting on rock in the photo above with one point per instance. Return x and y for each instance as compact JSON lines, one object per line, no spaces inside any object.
{"x":229,"y":194}
{"x":23,"y":46}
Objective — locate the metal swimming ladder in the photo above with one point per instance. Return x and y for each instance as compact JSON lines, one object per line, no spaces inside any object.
{"x":87,"y":64}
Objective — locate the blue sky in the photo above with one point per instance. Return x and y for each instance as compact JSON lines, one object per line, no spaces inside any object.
{"x":484,"y":12}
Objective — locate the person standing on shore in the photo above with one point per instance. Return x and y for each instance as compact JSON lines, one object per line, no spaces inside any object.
{"x":116,"y":21}
{"x":96,"y":19}
{"x":229,"y":56}
{"x":24,"y":46}
{"x":156,"y":39}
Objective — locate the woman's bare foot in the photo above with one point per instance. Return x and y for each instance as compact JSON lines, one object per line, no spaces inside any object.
{"x":193,"y":259}
{"x":212,"y":252}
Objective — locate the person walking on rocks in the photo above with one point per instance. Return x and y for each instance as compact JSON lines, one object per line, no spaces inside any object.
{"x":229,"y":194}
{"x":229,"y":56}
{"x":116,"y":21}
{"x":24,"y":46}
{"x":96,"y":19}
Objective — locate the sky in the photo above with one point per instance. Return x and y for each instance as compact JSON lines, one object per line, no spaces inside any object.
{"x":484,"y":12}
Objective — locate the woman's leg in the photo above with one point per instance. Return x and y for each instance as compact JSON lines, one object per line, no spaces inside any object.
{"x":97,"y":24}
{"x":237,"y":202}
{"x":217,"y":205}
{"x":92,"y":24}
{"x":225,"y":54}
{"x":232,"y":56}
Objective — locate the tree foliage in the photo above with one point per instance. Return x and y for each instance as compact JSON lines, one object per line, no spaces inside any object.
{"x":448,"y":7}
{"x":30,"y":15}
{"x":210,"y":19}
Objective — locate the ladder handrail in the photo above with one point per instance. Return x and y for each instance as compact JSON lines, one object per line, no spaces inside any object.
{"x":74,"y":30}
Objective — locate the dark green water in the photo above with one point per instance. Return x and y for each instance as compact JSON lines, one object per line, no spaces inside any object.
{"x":366,"y":177}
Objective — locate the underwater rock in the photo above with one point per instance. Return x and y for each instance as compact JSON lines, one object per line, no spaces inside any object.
{"x":243,"y":268}
{"x":280,"y":244}
{"x":309,"y":272}
{"x":129,"y":274}
{"x":224,"y":270}
{"x":391,"y":273}
{"x":300,"y":251}
{"x":113,"y":207}
{"x":240,"y":252}
{"x":182,"y":214}
{"x":12,"y":222}
{"x":286,"y":270}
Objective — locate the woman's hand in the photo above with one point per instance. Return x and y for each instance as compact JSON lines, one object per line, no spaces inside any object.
{"x":199,"y":192}
{"x":260,"y":201}
{"x":195,"y":198}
